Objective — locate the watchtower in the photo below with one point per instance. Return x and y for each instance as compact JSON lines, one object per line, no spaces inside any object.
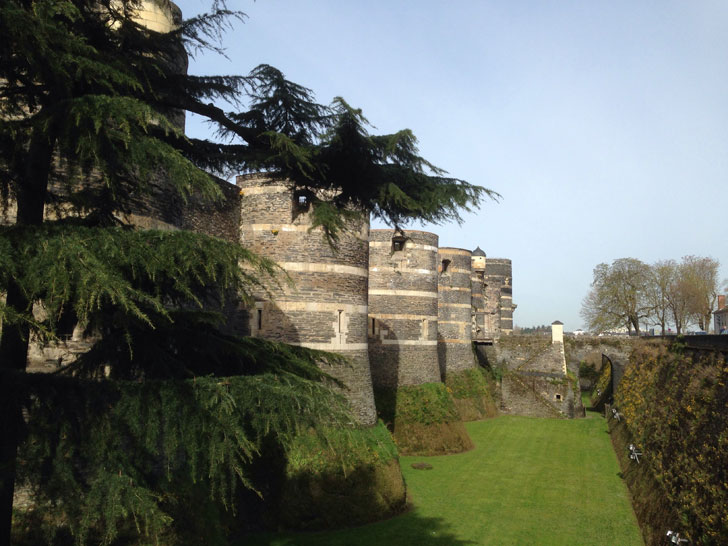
{"x":325,"y":307}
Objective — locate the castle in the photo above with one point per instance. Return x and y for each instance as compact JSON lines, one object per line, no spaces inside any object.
{"x":404,"y":311}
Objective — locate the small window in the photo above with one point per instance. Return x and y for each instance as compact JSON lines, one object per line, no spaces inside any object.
{"x":373,"y":327}
{"x":301,"y":202}
{"x":257,"y":320}
{"x":445,"y":265}
{"x":398,"y":243}
{"x":558,"y":397}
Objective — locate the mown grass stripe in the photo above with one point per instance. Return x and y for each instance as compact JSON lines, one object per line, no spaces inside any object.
{"x":528,"y":481}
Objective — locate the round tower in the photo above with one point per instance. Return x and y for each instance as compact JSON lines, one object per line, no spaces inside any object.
{"x":499,"y":294}
{"x":454,"y":316}
{"x":403,"y":307}
{"x":165,"y":16}
{"x":325,"y":306}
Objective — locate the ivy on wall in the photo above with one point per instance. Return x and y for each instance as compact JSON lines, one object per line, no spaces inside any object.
{"x":676,"y":407}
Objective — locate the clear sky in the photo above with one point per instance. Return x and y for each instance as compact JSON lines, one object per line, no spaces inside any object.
{"x":603,"y":124}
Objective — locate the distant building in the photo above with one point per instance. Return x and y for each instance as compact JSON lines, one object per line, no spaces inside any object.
{"x":720,"y":316}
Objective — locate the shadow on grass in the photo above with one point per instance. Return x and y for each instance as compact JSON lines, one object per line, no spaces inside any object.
{"x":404,"y":530}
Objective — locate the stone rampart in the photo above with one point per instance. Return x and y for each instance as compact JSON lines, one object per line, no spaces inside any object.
{"x":324,"y":306}
{"x":499,"y":294}
{"x":403,"y":308}
{"x":454,"y":323}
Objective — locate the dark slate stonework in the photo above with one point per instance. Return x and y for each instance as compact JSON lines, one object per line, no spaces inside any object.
{"x":454,"y":347}
{"x":403,"y":308}
{"x":498,"y":296}
{"x":325,"y":304}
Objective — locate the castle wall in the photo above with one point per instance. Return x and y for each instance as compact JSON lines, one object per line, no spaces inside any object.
{"x":324,"y":306}
{"x":454,"y":322}
{"x":403,"y":308}
{"x":499,"y":295}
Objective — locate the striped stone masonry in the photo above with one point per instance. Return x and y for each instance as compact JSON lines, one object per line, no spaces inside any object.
{"x":323,"y":302}
{"x":454,"y":320}
{"x":499,"y":291}
{"x":403,"y":307}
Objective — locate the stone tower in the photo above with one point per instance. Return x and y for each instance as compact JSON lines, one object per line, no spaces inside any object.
{"x":499,"y":294}
{"x":165,"y":16}
{"x":454,"y":321}
{"x":403,"y":307}
{"x":326,"y":306}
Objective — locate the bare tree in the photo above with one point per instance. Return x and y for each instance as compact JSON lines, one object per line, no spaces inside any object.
{"x":700,"y":285}
{"x":660,"y":281}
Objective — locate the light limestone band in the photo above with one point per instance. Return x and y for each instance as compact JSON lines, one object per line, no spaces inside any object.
{"x":319,"y":306}
{"x":402,"y":316}
{"x":260,"y":190}
{"x":336,"y":347}
{"x":455,"y":289}
{"x":447,"y":252}
{"x":392,"y":269}
{"x":309,"y":267}
{"x":413,"y":293}
{"x":454,"y":322}
{"x":418,"y":342}
{"x":410,"y":245}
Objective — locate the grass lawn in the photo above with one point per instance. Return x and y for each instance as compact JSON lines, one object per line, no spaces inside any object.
{"x":527,"y":482}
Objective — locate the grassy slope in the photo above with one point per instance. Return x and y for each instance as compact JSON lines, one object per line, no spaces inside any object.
{"x":529,"y":481}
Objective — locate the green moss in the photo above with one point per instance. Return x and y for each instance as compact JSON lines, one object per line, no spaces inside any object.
{"x":332,"y":449}
{"x":467,"y":384}
{"x":674,"y":407}
{"x":424,"y":419}
{"x":341,"y":477}
{"x":425,"y":404}
{"x":473,"y":393}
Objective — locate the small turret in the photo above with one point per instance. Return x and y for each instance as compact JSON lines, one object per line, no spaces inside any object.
{"x":478,"y":259}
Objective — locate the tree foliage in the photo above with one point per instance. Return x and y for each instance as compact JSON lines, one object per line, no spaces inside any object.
{"x":666,"y":293}
{"x":617,"y":296}
{"x":88,"y":102}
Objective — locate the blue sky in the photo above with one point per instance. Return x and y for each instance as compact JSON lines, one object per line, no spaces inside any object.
{"x":604,"y":125}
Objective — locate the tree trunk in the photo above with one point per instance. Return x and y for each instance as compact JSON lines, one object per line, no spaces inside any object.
{"x":31,"y":196}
